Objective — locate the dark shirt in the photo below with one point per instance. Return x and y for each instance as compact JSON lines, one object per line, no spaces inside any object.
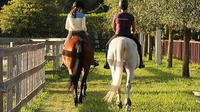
{"x":123,"y":21}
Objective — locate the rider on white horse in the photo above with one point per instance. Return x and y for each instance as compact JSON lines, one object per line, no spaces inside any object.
{"x":123,"y":23}
{"x":123,"y":54}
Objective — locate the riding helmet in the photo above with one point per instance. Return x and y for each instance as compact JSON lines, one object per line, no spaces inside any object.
{"x":123,"y":4}
{"x":78,"y":4}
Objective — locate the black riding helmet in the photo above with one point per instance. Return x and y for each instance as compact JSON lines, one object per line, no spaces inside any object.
{"x":123,"y":4}
{"x":78,"y":4}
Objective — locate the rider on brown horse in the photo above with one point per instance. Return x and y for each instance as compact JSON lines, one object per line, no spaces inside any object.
{"x":76,"y":24}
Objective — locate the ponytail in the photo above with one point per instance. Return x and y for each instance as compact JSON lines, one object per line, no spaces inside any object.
{"x":74,"y":11}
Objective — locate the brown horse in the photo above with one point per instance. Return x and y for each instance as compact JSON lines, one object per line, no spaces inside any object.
{"x":78,"y":56}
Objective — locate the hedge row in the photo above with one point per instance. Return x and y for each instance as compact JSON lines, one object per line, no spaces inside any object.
{"x":41,"y":18}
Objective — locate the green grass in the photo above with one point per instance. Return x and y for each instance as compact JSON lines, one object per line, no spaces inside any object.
{"x":154,"y":89}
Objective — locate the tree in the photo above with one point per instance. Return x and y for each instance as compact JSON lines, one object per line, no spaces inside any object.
{"x":30,"y":18}
{"x":170,"y":49}
{"x":184,"y":16}
{"x":177,"y":15}
{"x":3,"y":2}
{"x":150,"y":47}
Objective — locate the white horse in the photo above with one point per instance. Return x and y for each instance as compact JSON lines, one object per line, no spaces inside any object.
{"x":122,"y":53}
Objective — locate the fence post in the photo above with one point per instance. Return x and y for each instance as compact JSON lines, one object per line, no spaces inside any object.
{"x":18,"y":86}
{"x":57,"y":60}
{"x":158,"y":46}
{"x":1,"y":81}
{"x":10,"y":75}
{"x":47,"y":47}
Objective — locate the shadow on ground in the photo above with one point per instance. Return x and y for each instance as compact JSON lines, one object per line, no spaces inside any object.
{"x":95,"y":103}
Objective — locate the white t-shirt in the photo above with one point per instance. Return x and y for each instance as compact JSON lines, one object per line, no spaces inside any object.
{"x":76,"y":24}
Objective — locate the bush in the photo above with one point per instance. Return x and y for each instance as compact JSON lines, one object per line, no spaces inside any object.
{"x":30,"y":18}
{"x":98,"y":25}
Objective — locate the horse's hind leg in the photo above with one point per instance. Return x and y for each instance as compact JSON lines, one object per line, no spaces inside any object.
{"x":74,"y":81}
{"x":76,"y":93}
{"x":130,"y":75}
{"x":83,"y":86}
{"x":118,"y":95}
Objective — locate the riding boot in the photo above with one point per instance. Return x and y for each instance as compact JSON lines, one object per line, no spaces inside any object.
{"x":141,"y":62}
{"x":106,"y":66}
{"x":140,"y":54}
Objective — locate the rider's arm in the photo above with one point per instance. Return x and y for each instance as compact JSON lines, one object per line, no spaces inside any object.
{"x":84,"y":26}
{"x":133,"y":26}
{"x":67,"y":23}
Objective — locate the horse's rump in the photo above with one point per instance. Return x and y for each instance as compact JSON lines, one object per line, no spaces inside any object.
{"x":70,"y":52}
{"x":122,"y":52}
{"x":77,"y":57}
{"x":122,"y":49}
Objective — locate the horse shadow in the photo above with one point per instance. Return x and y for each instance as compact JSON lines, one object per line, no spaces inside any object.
{"x":95,"y":103}
{"x":159,"y":75}
{"x":163,"y":92}
{"x":96,"y":75}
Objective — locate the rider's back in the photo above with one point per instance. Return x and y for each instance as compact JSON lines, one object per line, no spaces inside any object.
{"x":76,"y":23}
{"x":123,"y":22}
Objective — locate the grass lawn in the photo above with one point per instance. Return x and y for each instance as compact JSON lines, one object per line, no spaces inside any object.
{"x":154,"y":89}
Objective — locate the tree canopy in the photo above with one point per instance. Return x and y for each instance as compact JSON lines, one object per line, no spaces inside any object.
{"x":157,"y":13}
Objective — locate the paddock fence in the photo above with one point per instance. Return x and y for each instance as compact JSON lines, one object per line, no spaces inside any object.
{"x":21,"y":75}
{"x":178,"y":50}
{"x":53,"y":47}
{"x":22,"y":69}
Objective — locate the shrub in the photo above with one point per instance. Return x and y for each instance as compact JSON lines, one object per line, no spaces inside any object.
{"x":30,"y":18}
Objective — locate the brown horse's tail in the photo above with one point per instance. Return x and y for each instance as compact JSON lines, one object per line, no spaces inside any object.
{"x":78,"y":62}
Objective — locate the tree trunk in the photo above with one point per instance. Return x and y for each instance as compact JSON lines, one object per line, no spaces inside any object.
{"x":150,"y":47}
{"x":186,"y":55}
{"x":145,"y":46}
{"x":170,"y":49}
{"x":158,"y":47}
{"x":141,"y":40}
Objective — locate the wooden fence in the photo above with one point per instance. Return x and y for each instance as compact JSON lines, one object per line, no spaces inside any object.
{"x":178,"y":50}
{"x":53,"y":47}
{"x":23,"y":79}
{"x":22,"y":69}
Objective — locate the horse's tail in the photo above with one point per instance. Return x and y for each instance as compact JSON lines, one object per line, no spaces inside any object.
{"x":78,"y":61}
{"x":117,"y":66}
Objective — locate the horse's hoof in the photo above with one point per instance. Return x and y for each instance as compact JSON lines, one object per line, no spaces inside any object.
{"x":76,"y":104}
{"x":120,"y":105}
{"x":128,"y":102}
{"x":80,"y":101}
{"x":84,"y":99}
{"x":128,"y":108}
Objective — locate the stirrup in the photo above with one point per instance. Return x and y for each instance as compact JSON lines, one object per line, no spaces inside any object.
{"x":106,"y":66}
{"x":141,"y":66}
{"x":95,"y":63}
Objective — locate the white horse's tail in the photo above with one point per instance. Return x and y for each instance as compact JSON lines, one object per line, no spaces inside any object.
{"x":115,"y":85}
{"x":115,"y":59}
